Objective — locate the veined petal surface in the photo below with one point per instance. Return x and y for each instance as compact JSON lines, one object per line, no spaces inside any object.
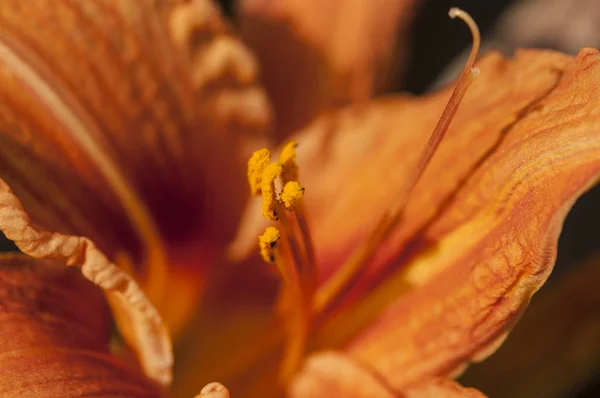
{"x":54,"y":336}
{"x":479,"y":235}
{"x":120,"y":138}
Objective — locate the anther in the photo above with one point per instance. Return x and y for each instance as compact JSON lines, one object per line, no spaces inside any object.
{"x":267,"y":187}
{"x":256,"y":165}
{"x":291,"y":194}
{"x":288,"y":159}
{"x":268,"y":242}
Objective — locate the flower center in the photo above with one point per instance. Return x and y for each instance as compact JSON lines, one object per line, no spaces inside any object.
{"x":289,"y":245}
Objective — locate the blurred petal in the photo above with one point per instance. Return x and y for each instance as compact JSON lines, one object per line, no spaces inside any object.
{"x":230,"y":100}
{"x":54,"y":335}
{"x":316,"y":55}
{"x":331,"y":374}
{"x":554,"y":349}
{"x":113,"y":131}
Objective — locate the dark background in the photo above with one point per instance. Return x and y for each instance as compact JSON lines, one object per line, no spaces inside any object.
{"x":436,"y":41}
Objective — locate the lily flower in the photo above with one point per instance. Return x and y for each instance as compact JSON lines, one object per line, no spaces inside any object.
{"x":407,"y":234}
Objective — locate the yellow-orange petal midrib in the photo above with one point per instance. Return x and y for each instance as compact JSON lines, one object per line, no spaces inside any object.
{"x":427,"y":265}
{"x":465,"y":238}
{"x":408,"y":335}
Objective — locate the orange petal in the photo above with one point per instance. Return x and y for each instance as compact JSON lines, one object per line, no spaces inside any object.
{"x":317,"y":55}
{"x":54,"y":335}
{"x":113,"y":131}
{"x":553,"y":350}
{"x":331,"y":374}
{"x":479,"y":235}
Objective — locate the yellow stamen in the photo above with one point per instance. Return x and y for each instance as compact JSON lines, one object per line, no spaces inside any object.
{"x":267,"y":187}
{"x":288,"y":160}
{"x":256,"y":165}
{"x":293,"y":301}
{"x":271,"y":252}
{"x":267,"y":242}
{"x":291,"y":173}
{"x":291,"y":195}
{"x":306,"y":238}
{"x":295,"y":261}
{"x":297,"y":272}
{"x":362,"y":254}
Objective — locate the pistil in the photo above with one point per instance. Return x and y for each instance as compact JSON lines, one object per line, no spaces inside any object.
{"x":290,"y":177}
{"x":357,"y":261}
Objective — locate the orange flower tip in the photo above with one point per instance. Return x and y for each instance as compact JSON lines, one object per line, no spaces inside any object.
{"x":268,"y":243}
{"x":287,"y":158}
{"x":256,"y":165}
{"x":214,"y":390}
{"x":267,"y":187}
{"x":291,"y":194}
